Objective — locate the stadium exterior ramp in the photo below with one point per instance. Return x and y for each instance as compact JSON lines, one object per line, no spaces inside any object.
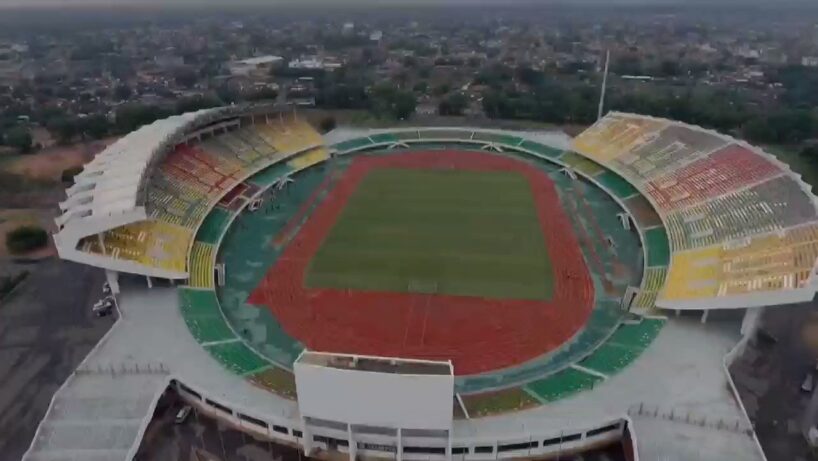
{"x":742,"y":226}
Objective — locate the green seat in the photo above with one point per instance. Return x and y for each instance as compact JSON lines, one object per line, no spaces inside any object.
{"x":562,"y":384}
{"x":384,"y":138}
{"x":352,"y":144}
{"x":237,"y":357}
{"x":658,"y":247}
{"x":213,"y":226}
{"x":616,"y":184}
{"x":541,"y":149}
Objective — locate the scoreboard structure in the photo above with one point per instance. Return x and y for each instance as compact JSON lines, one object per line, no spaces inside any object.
{"x":361,"y":397}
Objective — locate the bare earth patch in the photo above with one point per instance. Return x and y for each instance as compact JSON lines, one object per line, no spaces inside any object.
{"x":49,"y":163}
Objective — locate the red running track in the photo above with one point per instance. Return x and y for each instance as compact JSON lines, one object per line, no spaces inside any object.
{"x":477,"y":334}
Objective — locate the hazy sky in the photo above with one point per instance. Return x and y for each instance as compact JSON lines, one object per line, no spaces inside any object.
{"x":383,"y":3}
{"x":388,"y":2}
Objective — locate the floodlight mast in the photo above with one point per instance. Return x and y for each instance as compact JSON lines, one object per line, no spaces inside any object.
{"x":604,"y":84}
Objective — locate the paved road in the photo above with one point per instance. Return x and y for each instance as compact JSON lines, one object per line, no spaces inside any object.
{"x":46,"y":329}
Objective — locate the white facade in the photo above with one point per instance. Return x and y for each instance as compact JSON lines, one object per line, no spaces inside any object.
{"x":391,"y":398}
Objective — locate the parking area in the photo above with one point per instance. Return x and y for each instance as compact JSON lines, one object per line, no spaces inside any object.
{"x":46,"y":329}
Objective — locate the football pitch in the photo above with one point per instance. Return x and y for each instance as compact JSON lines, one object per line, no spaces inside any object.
{"x":437,"y":231}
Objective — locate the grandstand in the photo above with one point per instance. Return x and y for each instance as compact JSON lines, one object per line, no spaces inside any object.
{"x":738,"y":220}
{"x":180,"y":191}
{"x":550,"y":321}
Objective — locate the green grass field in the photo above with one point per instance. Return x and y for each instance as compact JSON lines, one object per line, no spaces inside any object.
{"x":439,"y":231}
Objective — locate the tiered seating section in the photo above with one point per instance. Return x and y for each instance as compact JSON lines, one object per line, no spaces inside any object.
{"x":192,"y":178}
{"x":739,"y":222}
{"x":620,"y":349}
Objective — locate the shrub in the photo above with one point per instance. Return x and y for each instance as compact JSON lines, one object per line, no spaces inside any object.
{"x":327,"y":124}
{"x":26,"y":238}
{"x":69,"y":173}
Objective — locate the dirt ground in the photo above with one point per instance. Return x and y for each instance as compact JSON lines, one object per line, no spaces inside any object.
{"x":50,"y":163}
{"x":11,"y":219}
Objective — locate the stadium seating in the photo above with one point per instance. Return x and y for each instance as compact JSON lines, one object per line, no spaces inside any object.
{"x":665,"y":151}
{"x":769,"y":206}
{"x":652,"y":281}
{"x":616,"y":185}
{"x":615,"y":135}
{"x":562,"y":384}
{"x":777,"y":261}
{"x":502,"y":401}
{"x":581,"y":164}
{"x":237,"y":357}
{"x":541,"y":149}
{"x":309,"y":159}
{"x":276,"y":380}
{"x":724,"y":206}
{"x":384,"y":138}
{"x":497,"y":138}
{"x":658,"y":248}
{"x":727,"y":170}
{"x":200,"y":310}
{"x":191,"y":179}
{"x":201,"y":265}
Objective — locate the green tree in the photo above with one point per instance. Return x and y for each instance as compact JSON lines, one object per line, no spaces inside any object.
{"x":388,"y":100}
{"x":122,"y":92}
{"x":453,"y":104}
{"x":19,"y":138}
{"x":25,"y":239}
{"x":68,"y":174}
{"x":327,"y":124}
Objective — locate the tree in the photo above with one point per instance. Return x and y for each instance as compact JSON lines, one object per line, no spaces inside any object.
{"x":19,"y":138}
{"x":25,"y":239}
{"x":453,"y":104}
{"x":327,"y":124}
{"x":185,"y":76}
{"x":95,"y":126}
{"x":68,"y":174}
{"x":64,"y":128}
{"x":122,"y":92}
{"x":131,"y":116}
{"x":529,"y":76}
{"x":387,"y":100}
{"x":421,"y":87}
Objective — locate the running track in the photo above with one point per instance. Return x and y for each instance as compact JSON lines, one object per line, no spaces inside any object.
{"x":477,"y":334}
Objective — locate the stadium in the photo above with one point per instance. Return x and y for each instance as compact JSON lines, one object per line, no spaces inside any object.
{"x":430,"y":292}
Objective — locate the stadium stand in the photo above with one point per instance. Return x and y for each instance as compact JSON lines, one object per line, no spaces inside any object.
{"x":778,"y":261}
{"x":769,"y":206}
{"x":201,"y":265}
{"x":614,"y":135}
{"x":727,"y":170}
{"x":724,"y":205}
{"x":496,"y":402}
{"x":562,"y":384}
{"x":191,"y":179}
{"x":669,"y":149}
{"x":581,"y":164}
{"x":200,"y":310}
